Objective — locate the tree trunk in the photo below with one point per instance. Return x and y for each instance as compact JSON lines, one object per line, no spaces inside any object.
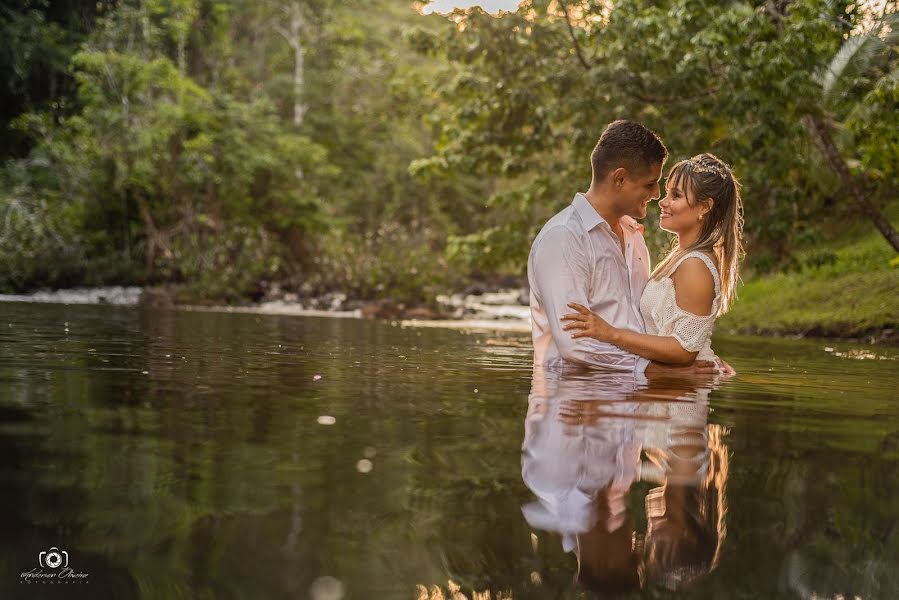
{"x":150,"y":233}
{"x":296,"y":24}
{"x":821,"y":136}
{"x":293,"y":36}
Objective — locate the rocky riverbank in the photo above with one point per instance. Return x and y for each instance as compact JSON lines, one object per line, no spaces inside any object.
{"x":858,"y":304}
{"x":502,"y":309}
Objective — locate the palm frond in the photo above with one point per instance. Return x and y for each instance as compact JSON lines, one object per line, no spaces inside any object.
{"x":859,"y":53}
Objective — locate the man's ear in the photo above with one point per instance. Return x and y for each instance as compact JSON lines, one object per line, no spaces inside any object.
{"x":618,"y":176}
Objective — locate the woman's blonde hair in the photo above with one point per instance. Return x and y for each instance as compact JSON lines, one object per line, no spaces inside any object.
{"x":707,"y":176}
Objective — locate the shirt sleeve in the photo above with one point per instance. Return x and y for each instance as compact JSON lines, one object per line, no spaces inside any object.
{"x":562,"y":270}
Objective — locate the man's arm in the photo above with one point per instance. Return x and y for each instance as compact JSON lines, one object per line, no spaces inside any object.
{"x":562,"y":270}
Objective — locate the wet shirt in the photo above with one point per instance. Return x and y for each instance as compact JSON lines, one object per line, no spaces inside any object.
{"x":577,"y":257}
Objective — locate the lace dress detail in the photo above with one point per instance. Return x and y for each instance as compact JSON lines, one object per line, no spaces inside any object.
{"x":662,"y":316}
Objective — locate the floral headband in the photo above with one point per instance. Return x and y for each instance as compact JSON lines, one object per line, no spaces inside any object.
{"x":699,"y":167}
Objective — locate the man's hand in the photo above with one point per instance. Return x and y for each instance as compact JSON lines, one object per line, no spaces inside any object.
{"x":699,"y":367}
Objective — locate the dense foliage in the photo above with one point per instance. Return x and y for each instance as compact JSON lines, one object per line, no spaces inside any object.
{"x":229,"y":146}
{"x":740,"y":79}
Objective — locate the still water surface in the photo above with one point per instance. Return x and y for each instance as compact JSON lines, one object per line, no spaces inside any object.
{"x":205,"y":455}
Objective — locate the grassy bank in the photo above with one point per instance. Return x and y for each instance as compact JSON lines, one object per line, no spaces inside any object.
{"x":848,"y":288}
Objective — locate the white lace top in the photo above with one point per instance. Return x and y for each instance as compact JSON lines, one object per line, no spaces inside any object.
{"x":662,"y":316}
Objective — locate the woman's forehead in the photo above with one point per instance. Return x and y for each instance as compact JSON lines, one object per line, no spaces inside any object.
{"x":675,"y":181}
{"x":678,"y":179}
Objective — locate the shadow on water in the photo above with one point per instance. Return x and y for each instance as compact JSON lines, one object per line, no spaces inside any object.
{"x":184,"y":455}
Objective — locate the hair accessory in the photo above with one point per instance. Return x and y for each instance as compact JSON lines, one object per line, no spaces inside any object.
{"x":699,"y":167}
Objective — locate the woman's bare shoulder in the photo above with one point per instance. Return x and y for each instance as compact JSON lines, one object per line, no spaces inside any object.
{"x":694,"y":286}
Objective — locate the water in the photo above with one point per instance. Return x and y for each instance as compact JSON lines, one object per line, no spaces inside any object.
{"x":206,"y":455}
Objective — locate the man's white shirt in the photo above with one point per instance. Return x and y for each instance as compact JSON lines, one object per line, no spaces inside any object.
{"x":577,"y":257}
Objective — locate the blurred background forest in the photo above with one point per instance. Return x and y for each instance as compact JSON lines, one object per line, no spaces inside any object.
{"x":233,"y":150}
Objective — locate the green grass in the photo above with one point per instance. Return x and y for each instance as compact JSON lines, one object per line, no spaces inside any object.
{"x":852,"y":292}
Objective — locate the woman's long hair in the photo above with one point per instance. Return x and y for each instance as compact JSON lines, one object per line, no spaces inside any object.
{"x":707,"y":176}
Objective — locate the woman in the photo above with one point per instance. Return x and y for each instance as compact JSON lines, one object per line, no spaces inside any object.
{"x":696,"y":282}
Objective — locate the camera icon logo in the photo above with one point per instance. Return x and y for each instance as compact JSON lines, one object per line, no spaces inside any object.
{"x":53,"y":558}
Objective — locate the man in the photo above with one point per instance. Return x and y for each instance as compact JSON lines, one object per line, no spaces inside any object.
{"x":593,"y":253}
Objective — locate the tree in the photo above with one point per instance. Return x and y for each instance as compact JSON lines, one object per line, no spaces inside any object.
{"x":37,"y":38}
{"x":293,"y":36}
{"x":190,"y":175}
{"x":214,"y":142}
{"x":861,"y":84}
{"x":737,"y":79}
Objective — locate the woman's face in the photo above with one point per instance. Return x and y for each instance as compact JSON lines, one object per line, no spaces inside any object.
{"x":680,"y":211}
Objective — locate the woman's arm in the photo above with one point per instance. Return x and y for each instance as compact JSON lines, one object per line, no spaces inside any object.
{"x":664,"y":349}
{"x":694,"y":290}
{"x":659,"y":348}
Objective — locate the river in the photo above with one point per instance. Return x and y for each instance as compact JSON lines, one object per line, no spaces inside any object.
{"x":179,"y":454}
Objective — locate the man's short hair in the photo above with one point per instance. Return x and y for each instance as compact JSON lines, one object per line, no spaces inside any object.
{"x":627,"y":144}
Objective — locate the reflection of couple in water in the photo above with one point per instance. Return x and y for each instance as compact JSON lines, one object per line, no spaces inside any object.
{"x":589,"y":438}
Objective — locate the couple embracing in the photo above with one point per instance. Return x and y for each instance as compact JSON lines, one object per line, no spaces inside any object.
{"x":594,"y":301}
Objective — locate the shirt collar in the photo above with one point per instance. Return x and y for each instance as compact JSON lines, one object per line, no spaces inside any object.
{"x":632,"y":224}
{"x":589,"y":217}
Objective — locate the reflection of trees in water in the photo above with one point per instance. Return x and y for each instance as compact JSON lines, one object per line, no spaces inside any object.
{"x":812,"y":501}
{"x":176,"y":473}
{"x":835,"y":540}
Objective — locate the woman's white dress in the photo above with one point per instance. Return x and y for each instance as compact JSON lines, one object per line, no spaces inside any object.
{"x":662,"y":316}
